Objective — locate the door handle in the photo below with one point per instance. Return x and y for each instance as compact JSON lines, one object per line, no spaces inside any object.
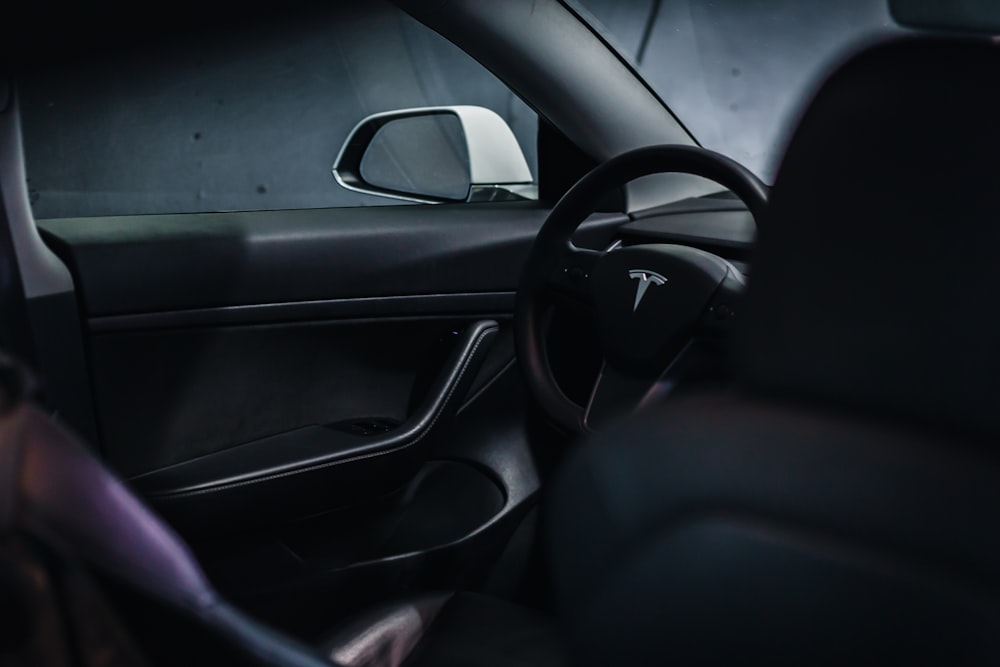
{"x":314,"y":467}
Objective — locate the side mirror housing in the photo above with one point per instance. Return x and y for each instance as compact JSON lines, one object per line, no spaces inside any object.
{"x":434,"y":155}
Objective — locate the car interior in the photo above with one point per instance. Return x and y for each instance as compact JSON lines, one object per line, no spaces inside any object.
{"x":591,"y":428}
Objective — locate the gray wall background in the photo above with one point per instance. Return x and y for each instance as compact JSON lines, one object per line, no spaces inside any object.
{"x":251,"y":120}
{"x":254,"y":119}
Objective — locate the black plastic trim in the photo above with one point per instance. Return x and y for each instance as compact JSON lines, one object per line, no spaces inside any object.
{"x":157,"y":263}
{"x":729,"y":233}
{"x":142,"y":264}
{"x":42,"y":292}
{"x":482,"y":303}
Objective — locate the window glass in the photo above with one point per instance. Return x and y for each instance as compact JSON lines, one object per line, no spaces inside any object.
{"x":249,"y":119}
{"x":737,"y":73}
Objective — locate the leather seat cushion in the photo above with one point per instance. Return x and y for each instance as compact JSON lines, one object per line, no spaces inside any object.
{"x":447,"y":630}
{"x":721,"y":526}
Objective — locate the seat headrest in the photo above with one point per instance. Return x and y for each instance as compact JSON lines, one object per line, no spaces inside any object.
{"x":875,"y":277}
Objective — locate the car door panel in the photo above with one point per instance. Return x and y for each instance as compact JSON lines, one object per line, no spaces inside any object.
{"x":210,"y":331}
{"x":441,"y":530}
{"x":147,"y":264}
{"x":232,"y":354}
{"x":166,"y":396}
{"x":338,"y":457}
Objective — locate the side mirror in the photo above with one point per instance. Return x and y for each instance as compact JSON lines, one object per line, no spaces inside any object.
{"x":433,"y":155}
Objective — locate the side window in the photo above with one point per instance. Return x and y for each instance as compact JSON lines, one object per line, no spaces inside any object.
{"x":255,"y":120}
{"x":738,"y":73}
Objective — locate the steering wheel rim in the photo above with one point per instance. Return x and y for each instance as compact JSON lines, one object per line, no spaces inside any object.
{"x":553,"y":244}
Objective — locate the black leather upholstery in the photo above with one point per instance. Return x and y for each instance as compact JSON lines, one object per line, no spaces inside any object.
{"x":387,"y":635}
{"x":722,"y":527}
{"x":841,"y":505}
{"x":875,"y":271}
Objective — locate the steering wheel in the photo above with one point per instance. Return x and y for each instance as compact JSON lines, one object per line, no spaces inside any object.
{"x":651,"y":300}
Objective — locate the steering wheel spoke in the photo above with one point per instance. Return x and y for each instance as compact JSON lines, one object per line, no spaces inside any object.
{"x":569,"y":283}
{"x":617,"y":393}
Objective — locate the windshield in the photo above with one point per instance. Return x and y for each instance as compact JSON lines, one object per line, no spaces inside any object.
{"x":736,"y":73}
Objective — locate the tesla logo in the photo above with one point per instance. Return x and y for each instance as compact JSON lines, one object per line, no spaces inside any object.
{"x":645,"y":278}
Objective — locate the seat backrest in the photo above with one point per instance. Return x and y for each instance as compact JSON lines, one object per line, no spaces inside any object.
{"x":841,"y":507}
{"x":875,"y":276}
